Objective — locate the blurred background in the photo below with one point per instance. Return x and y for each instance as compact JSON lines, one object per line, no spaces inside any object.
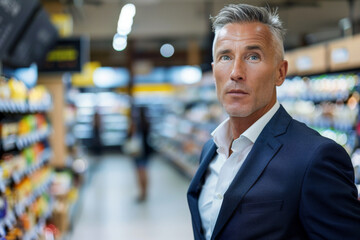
{"x":105,"y":106}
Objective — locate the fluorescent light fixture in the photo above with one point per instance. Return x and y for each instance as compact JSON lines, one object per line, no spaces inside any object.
{"x":125,"y":22}
{"x":190,"y":75}
{"x":108,"y":77}
{"x":185,"y":74}
{"x":126,"y":19}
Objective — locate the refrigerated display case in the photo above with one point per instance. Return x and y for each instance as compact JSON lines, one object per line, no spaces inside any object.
{"x":113,"y":109}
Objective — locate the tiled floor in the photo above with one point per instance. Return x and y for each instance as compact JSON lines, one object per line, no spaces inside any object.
{"x":108,"y":209}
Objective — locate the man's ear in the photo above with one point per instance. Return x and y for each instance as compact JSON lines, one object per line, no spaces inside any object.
{"x":281,"y":72}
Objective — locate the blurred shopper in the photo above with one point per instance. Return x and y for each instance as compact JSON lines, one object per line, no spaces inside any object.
{"x":96,"y":138}
{"x":265,"y":175}
{"x":140,"y":131}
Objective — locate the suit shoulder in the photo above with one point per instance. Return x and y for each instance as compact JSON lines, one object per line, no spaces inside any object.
{"x":302,"y":128}
{"x":308,"y":136}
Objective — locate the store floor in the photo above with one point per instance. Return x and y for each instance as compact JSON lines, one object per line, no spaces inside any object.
{"x":108,"y":210}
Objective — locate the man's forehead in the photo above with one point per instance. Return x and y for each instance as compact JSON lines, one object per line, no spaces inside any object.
{"x":244,"y":30}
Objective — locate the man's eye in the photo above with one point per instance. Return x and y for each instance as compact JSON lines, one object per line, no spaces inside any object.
{"x":225,"y":58}
{"x":253,"y":57}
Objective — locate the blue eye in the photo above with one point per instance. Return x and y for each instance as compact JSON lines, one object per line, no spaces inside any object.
{"x":225,"y":58}
{"x":254,"y":58}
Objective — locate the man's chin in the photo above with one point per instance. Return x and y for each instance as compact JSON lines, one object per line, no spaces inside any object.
{"x":237,"y":113}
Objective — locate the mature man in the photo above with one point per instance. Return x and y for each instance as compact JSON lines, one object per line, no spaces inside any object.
{"x":265,"y":175}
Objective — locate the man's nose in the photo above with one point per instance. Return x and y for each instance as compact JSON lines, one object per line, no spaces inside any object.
{"x":238,"y":70}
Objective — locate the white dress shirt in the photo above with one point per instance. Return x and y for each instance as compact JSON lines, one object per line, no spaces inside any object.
{"x":223,"y":168}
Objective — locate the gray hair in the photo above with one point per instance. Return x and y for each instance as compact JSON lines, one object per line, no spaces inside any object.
{"x":244,"y":13}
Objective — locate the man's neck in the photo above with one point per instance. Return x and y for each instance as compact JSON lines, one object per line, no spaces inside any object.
{"x":239,"y":125}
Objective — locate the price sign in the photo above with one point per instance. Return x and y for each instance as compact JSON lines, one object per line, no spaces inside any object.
{"x":68,"y":55}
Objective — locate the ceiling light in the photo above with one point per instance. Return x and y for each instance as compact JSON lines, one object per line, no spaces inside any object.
{"x":119,"y":42}
{"x":126,"y":19}
{"x":128,"y":10}
{"x":167,"y":50}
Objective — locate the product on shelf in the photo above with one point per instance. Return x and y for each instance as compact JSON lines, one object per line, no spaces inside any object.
{"x":326,"y":87}
{"x":18,"y":90}
{"x":39,"y":95}
{"x":26,"y":131}
{"x":25,"y":207}
{"x":15,"y":97}
{"x":66,"y":194}
{"x":4,"y":89}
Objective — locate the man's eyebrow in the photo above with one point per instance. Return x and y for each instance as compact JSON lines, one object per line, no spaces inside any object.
{"x":223,"y":51}
{"x":254,"y":47}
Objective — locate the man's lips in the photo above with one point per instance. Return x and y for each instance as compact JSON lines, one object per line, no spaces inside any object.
{"x":236,"y":92}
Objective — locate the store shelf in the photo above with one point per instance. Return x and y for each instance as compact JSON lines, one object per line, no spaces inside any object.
{"x":320,"y":88}
{"x":10,"y":221}
{"x":21,"y":142}
{"x":7,"y":222}
{"x":185,"y":124}
{"x":39,"y":227}
{"x":21,"y":206}
{"x":25,"y":153}
{"x":8,"y":106}
{"x":34,"y":137}
{"x":176,"y":157}
{"x":183,"y":150}
{"x":43,"y":159}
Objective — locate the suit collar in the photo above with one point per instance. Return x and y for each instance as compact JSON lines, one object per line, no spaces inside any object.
{"x":264,"y":149}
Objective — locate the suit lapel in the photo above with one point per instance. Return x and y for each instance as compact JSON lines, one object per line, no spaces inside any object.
{"x":195,"y":187}
{"x":264,"y":149}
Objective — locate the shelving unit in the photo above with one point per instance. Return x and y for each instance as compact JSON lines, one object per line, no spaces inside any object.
{"x":67,"y":182}
{"x":26,"y":176}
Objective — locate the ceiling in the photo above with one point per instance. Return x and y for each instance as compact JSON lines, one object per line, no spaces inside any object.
{"x":185,"y":24}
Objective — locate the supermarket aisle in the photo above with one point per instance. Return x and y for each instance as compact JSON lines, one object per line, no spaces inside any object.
{"x":108,"y":209}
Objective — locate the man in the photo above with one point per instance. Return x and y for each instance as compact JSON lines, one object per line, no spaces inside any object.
{"x":265,"y":175}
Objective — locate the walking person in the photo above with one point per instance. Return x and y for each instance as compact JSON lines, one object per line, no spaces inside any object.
{"x":140,"y":129}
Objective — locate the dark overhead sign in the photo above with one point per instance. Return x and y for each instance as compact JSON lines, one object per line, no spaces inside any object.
{"x":14,"y":15}
{"x":33,"y":45}
{"x":68,"y":55}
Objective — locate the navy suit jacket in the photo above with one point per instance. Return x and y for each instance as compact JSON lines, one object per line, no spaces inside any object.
{"x":294,"y":184}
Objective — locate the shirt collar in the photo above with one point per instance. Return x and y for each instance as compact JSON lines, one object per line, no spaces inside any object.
{"x":222,"y":134}
{"x":253,"y":132}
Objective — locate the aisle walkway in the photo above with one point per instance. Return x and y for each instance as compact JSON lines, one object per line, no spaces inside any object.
{"x":108,"y":209}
